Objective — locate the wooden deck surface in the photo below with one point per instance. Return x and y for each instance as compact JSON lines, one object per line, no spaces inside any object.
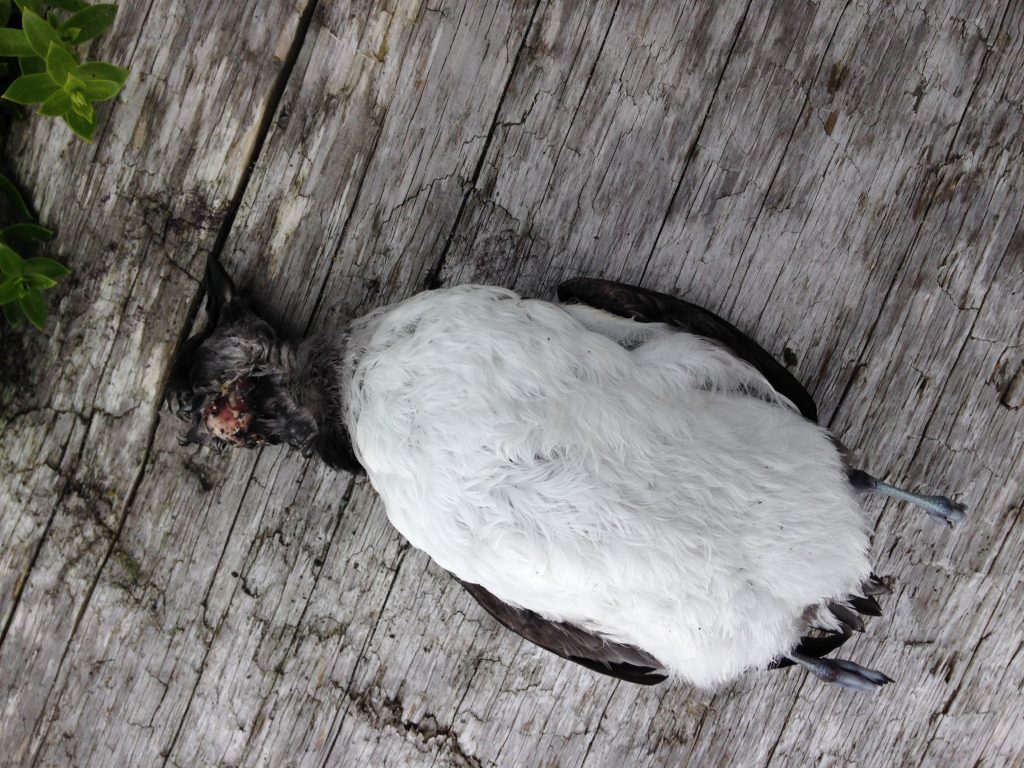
{"x":844,"y":181}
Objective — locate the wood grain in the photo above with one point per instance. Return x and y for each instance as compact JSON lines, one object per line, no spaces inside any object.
{"x":843,"y":181}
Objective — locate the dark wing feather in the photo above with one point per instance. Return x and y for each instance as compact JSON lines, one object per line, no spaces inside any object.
{"x":571,"y":642}
{"x":650,"y":307}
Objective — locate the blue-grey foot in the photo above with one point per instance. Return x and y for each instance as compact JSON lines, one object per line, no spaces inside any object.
{"x":842,"y":672}
{"x":939,"y":507}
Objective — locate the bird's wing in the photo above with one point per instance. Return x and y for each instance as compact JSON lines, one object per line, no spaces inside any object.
{"x":571,"y":642}
{"x":651,"y":307}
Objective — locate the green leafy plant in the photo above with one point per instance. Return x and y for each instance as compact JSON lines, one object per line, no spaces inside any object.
{"x":52,"y":74}
{"x":40,"y":64}
{"x":22,"y":280}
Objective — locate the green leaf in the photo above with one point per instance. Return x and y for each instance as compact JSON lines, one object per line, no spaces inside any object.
{"x":39,"y":282}
{"x":56,"y":105}
{"x":82,"y":127}
{"x":34,"y":306}
{"x":90,"y":21}
{"x":9,"y":289}
{"x":31,"y":89}
{"x":13,"y":314}
{"x":11,"y":264}
{"x":81,"y":105}
{"x":40,"y":34}
{"x":40,"y":265}
{"x":13,"y":42}
{"x":68,"y":5}
{"x":59,"y":63}
{"x":20,"y":233}
{"x":13,"y":196}
{"x":101,"y":90}
{"x":5,"y":12}
{"x":100,"y":70}
{"x":31,"y":65}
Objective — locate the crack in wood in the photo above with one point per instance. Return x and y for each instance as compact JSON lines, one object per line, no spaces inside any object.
{"x":579,"y":103}
{"x":339,"y":724}
{"x":778,"y":167}
{"x":19,"y":591}
{"x":600,"y":719}
{"x":433,"y":278}
{"x":917,"y":232}
{"x":692,"y":151}
{"x":297,"y":634}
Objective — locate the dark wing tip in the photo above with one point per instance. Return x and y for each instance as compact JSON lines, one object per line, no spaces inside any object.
{"x":571,"y":642}
{"x":631,"y":673}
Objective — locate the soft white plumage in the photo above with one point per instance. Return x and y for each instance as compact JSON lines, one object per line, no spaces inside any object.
{"x":637,"y":481}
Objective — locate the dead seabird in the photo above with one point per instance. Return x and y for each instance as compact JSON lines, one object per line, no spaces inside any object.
{"x":623,"y":478}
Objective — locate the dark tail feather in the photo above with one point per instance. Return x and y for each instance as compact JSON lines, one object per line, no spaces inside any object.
{"x":813,"y":646}
{"x":816,"y":647}
{"x":865,"y":606}
{"x":846,"y":616}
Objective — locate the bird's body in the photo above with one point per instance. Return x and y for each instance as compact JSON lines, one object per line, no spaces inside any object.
{"x":637,"y":481}
{"x":644,"y":498}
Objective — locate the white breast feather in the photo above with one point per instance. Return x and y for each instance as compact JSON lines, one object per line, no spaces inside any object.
{"x":629,"y":478}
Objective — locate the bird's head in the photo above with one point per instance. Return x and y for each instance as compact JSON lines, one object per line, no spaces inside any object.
{"x":229,"y":383}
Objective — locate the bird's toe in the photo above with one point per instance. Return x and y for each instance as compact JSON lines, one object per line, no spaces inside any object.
{"x":852,"y":675}
{"x":946,"y":510}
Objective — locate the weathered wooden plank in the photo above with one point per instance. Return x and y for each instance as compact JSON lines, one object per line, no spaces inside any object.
{"x":944,"y":616}
{"x":591,"y":147}
{"x":382,"y":132}
{"x":82,"y":408}
{"x":430,"y":80}
{"x":257,"y":609}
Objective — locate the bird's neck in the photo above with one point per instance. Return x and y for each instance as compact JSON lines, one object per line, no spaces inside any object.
{"x":315,"y":377}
